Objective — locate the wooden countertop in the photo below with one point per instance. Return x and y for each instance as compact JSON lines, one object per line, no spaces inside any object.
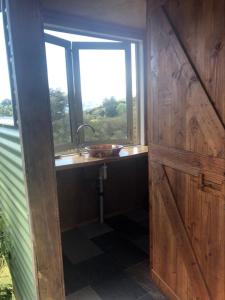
{"x":77,"y":161}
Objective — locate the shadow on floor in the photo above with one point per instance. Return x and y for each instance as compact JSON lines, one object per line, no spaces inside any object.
{"x":109,"y":261}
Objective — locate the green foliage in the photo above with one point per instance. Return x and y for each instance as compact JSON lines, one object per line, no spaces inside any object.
{"x":3,"y":243}
{"x":6,"y":292}
{"x":6,"y":289}
{"x":6,"y":109}
{"x":108,"y":119}
{"x":60,"y":117}
{"x":121,"y":108}
{"x":110,"y":107}
{"x":59,"y":104}
{"x":106,"y":128}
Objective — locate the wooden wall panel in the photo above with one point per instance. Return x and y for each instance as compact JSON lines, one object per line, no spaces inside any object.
{"x":130,"y":13}
{"x":125,"y":189}
{"x":186,"y":108}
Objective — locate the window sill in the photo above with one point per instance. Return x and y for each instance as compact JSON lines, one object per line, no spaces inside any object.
{"x":77,"y":161}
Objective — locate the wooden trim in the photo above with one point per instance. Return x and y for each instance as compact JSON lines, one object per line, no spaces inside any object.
{"x":155,"y":4}
{"x":32,"y":97}
{"x":162,"y":185}
{"x":76,"y":161}
{"x":188,"y":162}
{"x":151,"y":196}
{"x":208,"y":184}
{"x":79,"y":25}
{"x":149,"y":76}
{"x":149,"y":122}
{"x":162,"y":285}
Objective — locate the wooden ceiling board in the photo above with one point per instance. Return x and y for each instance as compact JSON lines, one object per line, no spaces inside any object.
{"x":125,"y":12}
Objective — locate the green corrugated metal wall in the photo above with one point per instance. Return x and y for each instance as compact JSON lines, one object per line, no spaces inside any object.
{"x":15,"y":211}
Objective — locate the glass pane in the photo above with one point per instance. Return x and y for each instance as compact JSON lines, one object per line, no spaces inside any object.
{"x":103,"y":89}
{"x":57,"y":79}
{"x":6,"y":109}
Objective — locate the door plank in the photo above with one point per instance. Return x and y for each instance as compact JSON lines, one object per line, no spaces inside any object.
{"x":202,"y":109}
{"x":183,"y":241}
{"x":188,"y":162}
{"x":197,"y":104}
{"x":187,"y":136}
{"x":200,"y":27}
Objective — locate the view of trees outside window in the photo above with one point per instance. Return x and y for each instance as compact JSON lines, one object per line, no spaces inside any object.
{"x":103,"y":88}
{"x":104,"y":108}
{"x":108,"y":119}
{"x":60,"y":117}
{"x":6,"y":110}
{"x":103,"y":91}
{"x":57,"y":80}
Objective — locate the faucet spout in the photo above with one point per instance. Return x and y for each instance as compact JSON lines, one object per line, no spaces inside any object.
{"x":83,"y":126}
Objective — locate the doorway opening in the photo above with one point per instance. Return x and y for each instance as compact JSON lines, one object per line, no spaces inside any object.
{"x":97,"y":81}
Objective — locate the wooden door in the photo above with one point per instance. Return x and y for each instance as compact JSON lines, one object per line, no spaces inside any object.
{"x":186,"y":114}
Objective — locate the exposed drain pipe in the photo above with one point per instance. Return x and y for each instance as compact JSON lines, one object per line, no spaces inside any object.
{"x":102,"y":177}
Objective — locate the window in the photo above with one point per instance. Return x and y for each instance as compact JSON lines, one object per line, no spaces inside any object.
{"x":92,"y":80}
{"x":7,"y":113}
{"x":59,"y":94}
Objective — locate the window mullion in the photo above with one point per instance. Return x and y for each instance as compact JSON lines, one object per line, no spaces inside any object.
{"x":78,"y":112}
{"x":71,"y":93}
{"x":129,"y":93}
{"x":139,"y":92}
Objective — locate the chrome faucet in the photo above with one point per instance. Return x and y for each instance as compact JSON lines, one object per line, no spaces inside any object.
{"x":78,"y":135}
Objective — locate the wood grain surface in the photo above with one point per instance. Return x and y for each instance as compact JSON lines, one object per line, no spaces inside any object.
{"x":186,"y":110}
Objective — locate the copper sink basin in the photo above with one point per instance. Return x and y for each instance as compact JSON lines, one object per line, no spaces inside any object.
{"x":103,"y":150}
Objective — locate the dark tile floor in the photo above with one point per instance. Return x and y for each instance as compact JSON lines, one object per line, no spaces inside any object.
{"x":109,"y":261}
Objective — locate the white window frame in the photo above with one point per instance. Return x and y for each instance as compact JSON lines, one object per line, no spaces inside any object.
{"x":14,"y":120}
